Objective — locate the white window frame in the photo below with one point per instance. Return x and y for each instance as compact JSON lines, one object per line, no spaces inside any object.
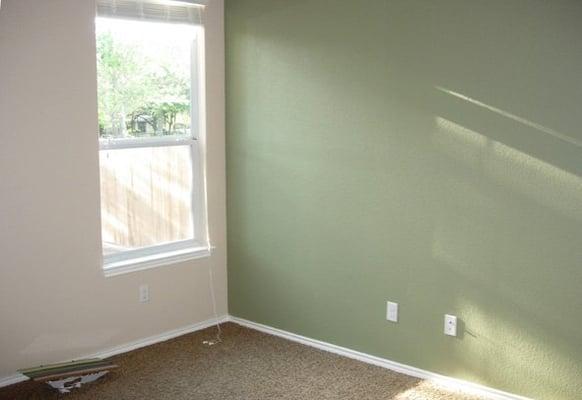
{"x":177,"y":251}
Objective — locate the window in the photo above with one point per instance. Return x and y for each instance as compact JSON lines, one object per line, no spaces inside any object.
{"x":151,"y":117}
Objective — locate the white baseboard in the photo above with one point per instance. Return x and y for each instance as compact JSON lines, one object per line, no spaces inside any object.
{"x":450,"y":383}
{"x":136,"y":344}
{"x":162,"y":337}
{"x":445,"y":381}
{"x":12,"y":379}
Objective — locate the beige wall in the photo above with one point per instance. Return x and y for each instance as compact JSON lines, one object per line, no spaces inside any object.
{"x":55,"y":303}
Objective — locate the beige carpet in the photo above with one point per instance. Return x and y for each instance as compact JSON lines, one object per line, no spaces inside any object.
{"x":246,"y":365}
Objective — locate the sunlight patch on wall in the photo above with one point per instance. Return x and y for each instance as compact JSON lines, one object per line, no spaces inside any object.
{"x":497,"y":341}
{"x":461,"y":143}
{"x":540,"y":181}
{"x":521,"y":120}
{"x":543,"y":182}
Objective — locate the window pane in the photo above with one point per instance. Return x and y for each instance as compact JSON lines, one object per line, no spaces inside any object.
{"x":144,"y":78}
{"x":146,"y":197}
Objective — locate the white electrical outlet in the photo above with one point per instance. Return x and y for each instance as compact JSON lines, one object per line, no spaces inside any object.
{"x":450,"y":325}
{"x":144,"y":293}
{"x":392,"y":311}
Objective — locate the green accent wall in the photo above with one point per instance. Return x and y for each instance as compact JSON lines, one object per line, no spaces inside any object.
{"x":424,"y":152}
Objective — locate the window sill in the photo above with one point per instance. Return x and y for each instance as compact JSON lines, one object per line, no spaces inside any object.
{"x":154,"y":261}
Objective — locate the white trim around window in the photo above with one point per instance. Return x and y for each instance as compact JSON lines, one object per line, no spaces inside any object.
{"x":164,"y":254}
{"x":159,"y":259}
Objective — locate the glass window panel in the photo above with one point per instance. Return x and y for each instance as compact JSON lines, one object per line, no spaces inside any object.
{"x":144,"y":78}
{"x":146,"y":197}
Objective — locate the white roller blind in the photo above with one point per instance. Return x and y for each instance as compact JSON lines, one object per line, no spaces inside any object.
{"x":173,"y":11}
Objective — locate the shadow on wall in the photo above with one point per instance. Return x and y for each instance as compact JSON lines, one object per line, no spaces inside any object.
{"x":540,"y":181}
{"x":473,"y":219}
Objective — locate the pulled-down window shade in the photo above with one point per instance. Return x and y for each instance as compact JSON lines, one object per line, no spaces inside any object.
{"x":171,"y":11}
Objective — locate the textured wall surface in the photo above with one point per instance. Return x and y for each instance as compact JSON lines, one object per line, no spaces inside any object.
{"x":420,"y":151}
{"x":55,"y":303}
